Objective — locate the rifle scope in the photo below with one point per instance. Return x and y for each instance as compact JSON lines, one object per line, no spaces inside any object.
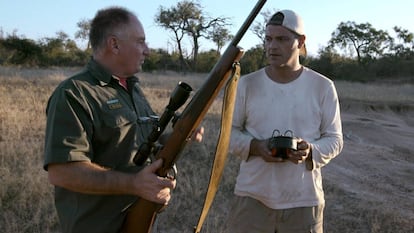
{"x":178,"y":97}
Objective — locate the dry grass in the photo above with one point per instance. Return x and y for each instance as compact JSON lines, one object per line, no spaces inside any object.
{"x":26,"y":199}
{"x":25,"y":196}
{"x":383,"y":92}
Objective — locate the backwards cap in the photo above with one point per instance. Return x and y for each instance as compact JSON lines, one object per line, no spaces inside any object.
{"x":291,"y":21}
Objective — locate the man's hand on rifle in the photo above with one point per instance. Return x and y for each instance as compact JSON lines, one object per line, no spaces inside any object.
{"x":152,"y":187}
{"x":198,"y":134}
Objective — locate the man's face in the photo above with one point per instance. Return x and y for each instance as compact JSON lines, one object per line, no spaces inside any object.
{"x":132,"y":48}
{"x":281,"y":45}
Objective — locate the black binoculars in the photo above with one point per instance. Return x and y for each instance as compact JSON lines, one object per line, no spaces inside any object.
{"x":280,"y":144}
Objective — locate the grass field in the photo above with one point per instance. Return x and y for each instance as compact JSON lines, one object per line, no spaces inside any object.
{"x":26,"y":197}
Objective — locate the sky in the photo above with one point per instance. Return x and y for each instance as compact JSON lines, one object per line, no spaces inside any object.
{"x":43,"y":18}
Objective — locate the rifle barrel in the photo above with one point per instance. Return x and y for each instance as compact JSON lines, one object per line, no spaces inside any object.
{"x":247,"y":22}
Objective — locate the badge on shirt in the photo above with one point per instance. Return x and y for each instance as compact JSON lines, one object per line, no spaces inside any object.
{"x":114,"y":104}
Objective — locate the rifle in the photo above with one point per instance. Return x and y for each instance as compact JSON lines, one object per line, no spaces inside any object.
{"x":142,"y":214}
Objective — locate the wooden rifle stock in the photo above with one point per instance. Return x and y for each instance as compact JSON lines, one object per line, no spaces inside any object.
{"x":141,"y":215}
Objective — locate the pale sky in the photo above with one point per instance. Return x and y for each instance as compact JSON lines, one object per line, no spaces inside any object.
{"x":43,"y":18}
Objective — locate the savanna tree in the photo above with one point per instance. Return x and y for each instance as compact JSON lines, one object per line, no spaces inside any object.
{"x":405,"y":45}
{"x":259,"y":26}
{"x":220,"y":35}
{"x":367,"y":42}
{"x":170,"y":19}
{"x":84,"y":26}
{"x":259,"y":29}
{"x":187,"y":18}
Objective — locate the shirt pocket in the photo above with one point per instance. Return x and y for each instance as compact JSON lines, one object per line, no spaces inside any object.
{"x":118,"y":118}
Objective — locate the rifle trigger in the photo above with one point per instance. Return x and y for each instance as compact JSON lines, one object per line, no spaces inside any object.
{"x":172,"y":172}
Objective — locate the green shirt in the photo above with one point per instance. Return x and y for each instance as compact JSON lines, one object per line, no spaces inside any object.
{"x":91,"y":117}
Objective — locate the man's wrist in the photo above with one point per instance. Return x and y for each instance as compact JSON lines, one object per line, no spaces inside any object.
{"x":309,"y":160}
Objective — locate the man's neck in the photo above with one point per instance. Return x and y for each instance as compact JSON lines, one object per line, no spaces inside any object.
{"x":284,"y":74}
{"x":109,"y":65}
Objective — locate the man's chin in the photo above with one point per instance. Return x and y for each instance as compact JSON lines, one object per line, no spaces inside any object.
{"x":274,"y":62}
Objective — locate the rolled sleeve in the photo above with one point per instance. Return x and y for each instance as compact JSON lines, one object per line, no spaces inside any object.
{"x":66,"y":130}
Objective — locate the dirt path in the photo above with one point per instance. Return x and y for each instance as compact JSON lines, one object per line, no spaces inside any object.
{"x":374,"y":175}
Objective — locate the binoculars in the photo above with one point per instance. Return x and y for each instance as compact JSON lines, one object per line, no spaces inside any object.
{"x":280,"y":144}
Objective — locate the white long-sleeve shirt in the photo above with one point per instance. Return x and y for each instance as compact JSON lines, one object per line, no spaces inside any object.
{"x":309,"y":107}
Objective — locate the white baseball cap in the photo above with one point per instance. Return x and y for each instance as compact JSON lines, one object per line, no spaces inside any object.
{"x":291,"y":21}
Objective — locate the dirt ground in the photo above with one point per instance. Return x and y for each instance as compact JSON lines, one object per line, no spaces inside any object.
{"x":372,"y":181}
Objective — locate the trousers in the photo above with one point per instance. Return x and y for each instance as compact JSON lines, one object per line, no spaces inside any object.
{"x":248,"y":215}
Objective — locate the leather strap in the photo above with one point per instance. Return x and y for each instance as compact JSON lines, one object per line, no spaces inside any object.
{"x":223,"y":143}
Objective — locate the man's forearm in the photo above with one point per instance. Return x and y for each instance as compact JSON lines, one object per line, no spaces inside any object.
{"x":89,"y":178}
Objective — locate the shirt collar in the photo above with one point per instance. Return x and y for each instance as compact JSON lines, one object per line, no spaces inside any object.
{"x":103,"y":75}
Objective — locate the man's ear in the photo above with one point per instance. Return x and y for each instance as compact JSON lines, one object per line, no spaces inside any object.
{"x":112,"y":44}
{"x":302,"y":39}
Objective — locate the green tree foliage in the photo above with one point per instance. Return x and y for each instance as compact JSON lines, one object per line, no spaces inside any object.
{"x":336,"y":66}
{"x":20,"y":51}
{"x":367,"y":42}
{"x":206,"y":61}
{"x":259,"y":27}
{"x":53,"y":51}
{"x":83,"y":33}
{"x":160,"y":59}
{"x":379,"y":54}
{"x":61,"y":51}
{"x":405,"y":47}
{"x":220,"y":35}
{"x":187,"y":18}
{"x":253,"y":59}
{"x":170,"y":19}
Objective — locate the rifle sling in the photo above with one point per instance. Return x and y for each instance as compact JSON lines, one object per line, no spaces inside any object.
{"x":223,"y":143}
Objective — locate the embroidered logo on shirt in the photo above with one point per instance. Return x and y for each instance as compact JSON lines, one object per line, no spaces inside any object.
{"x":114,"y":104}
